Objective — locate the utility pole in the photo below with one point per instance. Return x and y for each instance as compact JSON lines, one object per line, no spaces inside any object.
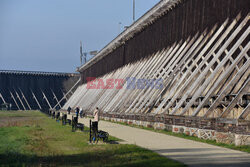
{"x":81,"y":55}
{"x":133,"y":10}
{"x":85,"y":57}
{"x":119,"y":27}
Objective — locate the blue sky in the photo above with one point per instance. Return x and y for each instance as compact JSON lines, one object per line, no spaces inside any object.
{"x":44,"y":35}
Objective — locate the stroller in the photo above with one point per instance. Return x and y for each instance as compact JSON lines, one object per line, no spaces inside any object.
{"x":96,"y":134}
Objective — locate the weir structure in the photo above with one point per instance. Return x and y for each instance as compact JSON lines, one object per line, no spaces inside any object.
{"x":183,"y":66}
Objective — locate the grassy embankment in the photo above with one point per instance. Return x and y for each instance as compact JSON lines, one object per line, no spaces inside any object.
{"x":31,"y":138}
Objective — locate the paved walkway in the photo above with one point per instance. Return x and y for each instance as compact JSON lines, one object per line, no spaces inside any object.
{"x":192,"y":153}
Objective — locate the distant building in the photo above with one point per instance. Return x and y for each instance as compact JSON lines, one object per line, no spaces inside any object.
{"x":21,"y":89}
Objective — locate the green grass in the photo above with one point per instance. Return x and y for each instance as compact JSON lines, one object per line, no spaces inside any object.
{"x":38,"y":140}
{"x":245,"y":148}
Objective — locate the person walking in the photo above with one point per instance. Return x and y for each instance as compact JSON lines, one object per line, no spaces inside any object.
{"x":95,"y":123}
{"x":96,"y":118}
{"x":77,"y":112}
{"x":69,"y":110}
{"x":81,"y":112}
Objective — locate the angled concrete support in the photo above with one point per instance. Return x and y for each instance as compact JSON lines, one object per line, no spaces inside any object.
{"x":2,"y":98}
{"x":36,"y":100}
{"x":12,"y":96}
{"x":44,"y":97}
{"x":56,"y":98}
{"x":20,"y":100}
{"x":67,"y":93}
{"x":25,"y":99}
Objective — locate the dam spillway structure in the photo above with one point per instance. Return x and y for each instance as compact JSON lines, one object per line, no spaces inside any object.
{"x":182,"y":66}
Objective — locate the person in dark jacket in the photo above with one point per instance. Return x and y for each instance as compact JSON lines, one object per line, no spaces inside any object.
{"x":77,"y":111}
{"x":69,"y":110}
